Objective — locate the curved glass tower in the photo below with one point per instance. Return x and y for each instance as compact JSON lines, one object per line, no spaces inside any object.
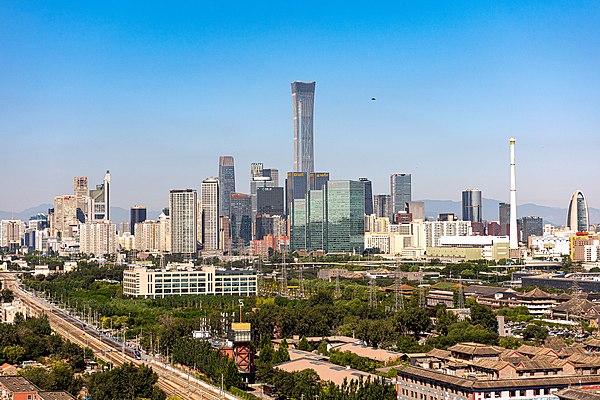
{"x":303,"y":102}
{"x":577,"y":216}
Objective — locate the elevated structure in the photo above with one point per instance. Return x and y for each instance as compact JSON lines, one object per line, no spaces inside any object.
{"x":514,"y":238}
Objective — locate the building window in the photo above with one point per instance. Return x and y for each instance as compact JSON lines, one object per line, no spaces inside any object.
{"x":536,"y":392}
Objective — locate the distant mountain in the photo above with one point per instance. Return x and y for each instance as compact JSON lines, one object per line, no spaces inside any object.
{"x":117,"y":214}
{"x":552,"y":215}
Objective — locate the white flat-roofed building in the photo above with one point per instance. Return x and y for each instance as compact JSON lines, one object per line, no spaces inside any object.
{"x":184,"y":279}
{"x":435,"y":230}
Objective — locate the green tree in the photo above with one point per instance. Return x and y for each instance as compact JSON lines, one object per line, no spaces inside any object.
{"x":510,"y":342}
{"x":6,"y":296}
{"x":303,"y":344}
{"x":282,"y":354}
{"x":484,"y":316}
{"x":535,"y":332}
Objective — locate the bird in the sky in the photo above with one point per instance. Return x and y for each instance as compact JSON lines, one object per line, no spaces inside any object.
{"x":373,"y":99}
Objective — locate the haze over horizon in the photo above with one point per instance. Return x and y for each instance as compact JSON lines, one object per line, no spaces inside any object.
{"x":156,"y":94}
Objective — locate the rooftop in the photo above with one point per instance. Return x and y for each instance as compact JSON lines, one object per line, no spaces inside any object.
{"x":369,"y":352}
{"x":55,"y":396}
{"x":326,"y":370}
{"x":17,"y":384}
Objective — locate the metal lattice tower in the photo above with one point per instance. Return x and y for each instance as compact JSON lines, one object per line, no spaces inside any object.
{"x":338,"y":292}
{"x":399,"y":303}
{"x":461,"y":297}
{"x":422,"y":298}
{"x":284,"y":280}
{"x":372,"y":297}
{"x":300,"y":282}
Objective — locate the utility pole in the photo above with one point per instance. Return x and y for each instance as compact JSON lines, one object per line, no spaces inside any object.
{"x":338,"y":293}
{"x":300,"y":282}
{"x":284,"y":281}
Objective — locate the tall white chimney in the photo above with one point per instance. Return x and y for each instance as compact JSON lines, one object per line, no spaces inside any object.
{"x":514,"y":238}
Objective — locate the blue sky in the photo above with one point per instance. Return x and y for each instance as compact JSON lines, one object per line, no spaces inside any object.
{"x":156,"y":91}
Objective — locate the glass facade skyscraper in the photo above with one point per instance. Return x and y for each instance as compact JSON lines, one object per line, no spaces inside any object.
{"x":577,"y":215}
{"x":241,"y":219}
{"x":303,"y":100}
{"x":368,"y":195}
{"x":317,"y":228}
{"x":401,"y":192}
{"x":137,"y":215}
{"x":345,"y":216}
{"x":299,"y":220}
{"x":226,"y":183}
{"x":471,"y":205}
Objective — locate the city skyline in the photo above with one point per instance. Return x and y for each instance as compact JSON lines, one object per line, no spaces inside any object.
{"x":501,"y":72}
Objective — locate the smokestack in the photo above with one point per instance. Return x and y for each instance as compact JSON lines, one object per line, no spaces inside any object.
{"x":514,"y":239}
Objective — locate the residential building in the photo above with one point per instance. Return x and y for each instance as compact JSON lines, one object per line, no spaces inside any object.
{"x":435,"y":230}
{"x":185,"y":279}
{"x":226,"y":184}
{"x":11,"y":233}
{"x":164,"y":241}
{"x":137,"y":214}
{"x":471,"y":205}
{"x":98,"y":237}
{"x":147,"y":236}
{"x":184,"y":219}
{"x":210,"y":214}
{"x":64,"y":220}
{"x":303,"y":98}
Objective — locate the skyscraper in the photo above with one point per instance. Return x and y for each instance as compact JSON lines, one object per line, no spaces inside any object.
{"x":184,"y":218}
{"x":345,"y":216}
{"x":210,"y":214}
{"x":401,"y":192}
{"x":382,"y":205}
{"x":226,"y":183}
{"x":80,"y":190}
{"x":65,"y":216}
{"x":577,"y":215}
{"x":136,"y":214}
{"x":241,"y":219}
{"x":504,"y":218}
{"x":297,"y":185}
{"x":368,"y":195}
{"x":471,"y":205}
{"x":269,"y":200}
{"x":531,"y":226}
{"x":100,"y":200}
{"x":303,"y":100}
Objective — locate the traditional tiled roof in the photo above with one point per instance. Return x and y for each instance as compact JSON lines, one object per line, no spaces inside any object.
{"x":537,"y":365}
{"x":593,"y":342}
{"x":575,"y":306}
{"x":494,"y":365}
{"x":578,"y":394}
{"x":538,"y":294}
{"x":534,"y":351}
{"x":498,"y":384}
{"x":438,"y":353}
{"x":476,"y":349}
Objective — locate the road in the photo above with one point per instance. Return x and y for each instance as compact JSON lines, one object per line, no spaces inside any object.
{"x":172,"y":380}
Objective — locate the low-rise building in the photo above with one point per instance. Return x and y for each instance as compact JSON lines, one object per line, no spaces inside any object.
{"x":471,"y":248}
{"x":185,"y":279}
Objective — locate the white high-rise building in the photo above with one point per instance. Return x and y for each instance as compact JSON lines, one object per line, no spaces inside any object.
{"x":64,"y":221}
{"x":98,"y":238}
{"x":99,"y":201}
{"x":435,"y":230}
{"x":11,"y":232}
{"x":184,"y":218}
{"x":165,"y":233}
{"x":210,"y":214}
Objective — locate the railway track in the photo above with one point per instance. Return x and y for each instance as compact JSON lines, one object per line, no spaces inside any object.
{"x":172,"y":380}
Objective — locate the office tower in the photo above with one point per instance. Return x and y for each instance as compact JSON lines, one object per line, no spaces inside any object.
{"x":504,"y":218}
{"x":400,"y":190}
{"x":471,"y":205}
{"x":531,"y":226}
{"x":226,"y":183}
{"x":100,"y":200}
{"x":273,"y":174}
{"x":241,"y":219}
{"x":317,"y":223}
{"x":98,"y":238}
{"x":164,"y":221}
{"x":345,"y":216}
{"x":184,"y":218}
{"x":303,"y":100}
{"x":382,"y":204}
{"x":137,"y":214}
{"x":368,"y":195}
{"x":577,"y":214}
{"x":269,"y":200}
{"x":297,"y":185}
{"x":80,"y":190}
{"x":299,"y":225}
{"x":513,"y":236}
{"x":210,"y":214}
{"x":417,"y":210}
{"x":65,"y":216}
{"x":264,"y":225}
{"x":261,"y":177}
